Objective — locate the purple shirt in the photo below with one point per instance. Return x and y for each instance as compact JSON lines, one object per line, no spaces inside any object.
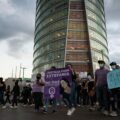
{"x":101,"y":77}
{"x":37,"y":88}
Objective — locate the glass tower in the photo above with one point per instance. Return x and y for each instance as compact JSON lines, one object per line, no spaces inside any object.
{"x":69,"y":31}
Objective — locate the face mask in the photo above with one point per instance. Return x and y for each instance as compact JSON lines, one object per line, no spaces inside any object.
{"x":113,"y":67}
{"x":89,"y":77}
{"x":101,"y":65}
{"x":38,"y":77}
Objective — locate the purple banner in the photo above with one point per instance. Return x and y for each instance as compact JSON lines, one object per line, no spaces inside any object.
{"x":52,"y":82}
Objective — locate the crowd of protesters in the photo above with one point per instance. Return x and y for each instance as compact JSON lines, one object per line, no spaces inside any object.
{"x":91,"y":91}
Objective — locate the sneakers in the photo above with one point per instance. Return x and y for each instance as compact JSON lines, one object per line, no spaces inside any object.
{"x":92,"y":109}
{"x":11,"y":106}
{"x":24,"y":105}
{"x":78,"y":105}
{"x":113,"y":114}
{"x":4,"y":107}
{"x":44,"y":111}
{"x":71,"y":111}
{"x":105,"y":112}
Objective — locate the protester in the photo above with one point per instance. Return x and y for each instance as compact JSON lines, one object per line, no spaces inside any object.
{"x":53,"y":101}
{"x":91,"y":90}
{"x":38,"y":89}
{"x":8,"y":95}
{"x":16,"y":93}
{"x":29,"y":94}
{"x":73,"y":87}
{"x":85,"y":92}
{"x":2,"y":90}
{"x":66,"y":94}
{"x":25,"y":95}
{"x":79,"y":90}
{"x":101,"y":87}
{"x":113,"y":94}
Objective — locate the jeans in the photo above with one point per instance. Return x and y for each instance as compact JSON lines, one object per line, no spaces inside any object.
{"x":67,"y":100}
{"x":73,"y":95}
{"x":103,"y":97}
{"x":54,"y":103}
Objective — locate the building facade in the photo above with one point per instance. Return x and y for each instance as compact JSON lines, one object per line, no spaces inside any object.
{"x":69,"y":31}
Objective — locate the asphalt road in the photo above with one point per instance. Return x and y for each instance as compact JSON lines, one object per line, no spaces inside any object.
{"x":27,"y":113}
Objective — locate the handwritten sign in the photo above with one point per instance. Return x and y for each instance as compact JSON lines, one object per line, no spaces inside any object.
{"x":113,"y":79}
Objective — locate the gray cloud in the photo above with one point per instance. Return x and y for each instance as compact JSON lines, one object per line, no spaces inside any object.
{"x":24,"y":4}
{"x":21,"y":22}
{"x":115,"y":57}
{"x":13,"y":25}
{"x":16,"y":46}
{"x":112,"y":8}
{"x":17,"y":27}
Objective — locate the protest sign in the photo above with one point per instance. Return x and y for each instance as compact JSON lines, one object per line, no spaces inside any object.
{"x":113,"y":79}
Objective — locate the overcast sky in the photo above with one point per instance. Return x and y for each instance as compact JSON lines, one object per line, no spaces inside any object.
{"x":17,"y":34}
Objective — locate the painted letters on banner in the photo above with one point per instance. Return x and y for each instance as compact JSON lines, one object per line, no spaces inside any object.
{"x":52,"y":81}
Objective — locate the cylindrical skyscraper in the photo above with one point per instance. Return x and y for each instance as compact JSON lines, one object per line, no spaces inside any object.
{"x":69,"y":31}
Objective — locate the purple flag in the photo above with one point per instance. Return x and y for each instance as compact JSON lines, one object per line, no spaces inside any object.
{"x":52,"y":81}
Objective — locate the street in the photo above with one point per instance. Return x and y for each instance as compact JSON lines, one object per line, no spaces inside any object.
{"x":27,"y":113}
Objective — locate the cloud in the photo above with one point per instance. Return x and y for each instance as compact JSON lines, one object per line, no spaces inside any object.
{"x":6,"y":7}
{"x":17,"y":25}
{"x":21,"y":21}
{"x":112,"y":8}
{"x":16,"y":46}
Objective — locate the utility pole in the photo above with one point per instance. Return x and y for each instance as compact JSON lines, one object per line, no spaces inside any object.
{"x":20,"y":72}
{"x":12,"y":73}
{"x":16,"y":72}
{"x":23,"y":68}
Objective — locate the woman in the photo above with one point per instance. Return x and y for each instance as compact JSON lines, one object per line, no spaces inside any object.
{"x":16,"y":93}
{"x":37,"y":90}
{"x":66,"y":94}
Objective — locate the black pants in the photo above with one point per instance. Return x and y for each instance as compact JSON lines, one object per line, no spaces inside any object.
{"x":68,"y":102}
{"x":85,"y":97}
{"x":1,"y":98}
{"x":25,"y":100}
{"x":38,"y":100}
{"x":7,"y":99}
{"x":114,"y":98}
{"x":78,"y":95}
{"x":14,"y":101}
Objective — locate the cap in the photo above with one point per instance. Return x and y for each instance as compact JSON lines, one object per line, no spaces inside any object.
{"x":101,"y":62}
{"x":113,"y":63}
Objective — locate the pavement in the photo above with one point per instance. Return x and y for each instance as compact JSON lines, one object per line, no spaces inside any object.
{"x":27,"y":113}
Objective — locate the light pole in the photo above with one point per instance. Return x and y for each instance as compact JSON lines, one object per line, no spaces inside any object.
{"x":23,"y":71}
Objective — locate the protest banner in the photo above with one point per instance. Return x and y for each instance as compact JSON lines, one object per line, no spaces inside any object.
{"x":52,"y":81}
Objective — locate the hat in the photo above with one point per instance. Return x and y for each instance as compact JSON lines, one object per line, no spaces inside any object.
{"x":101,"y":62}
{"x":113,"y":63}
